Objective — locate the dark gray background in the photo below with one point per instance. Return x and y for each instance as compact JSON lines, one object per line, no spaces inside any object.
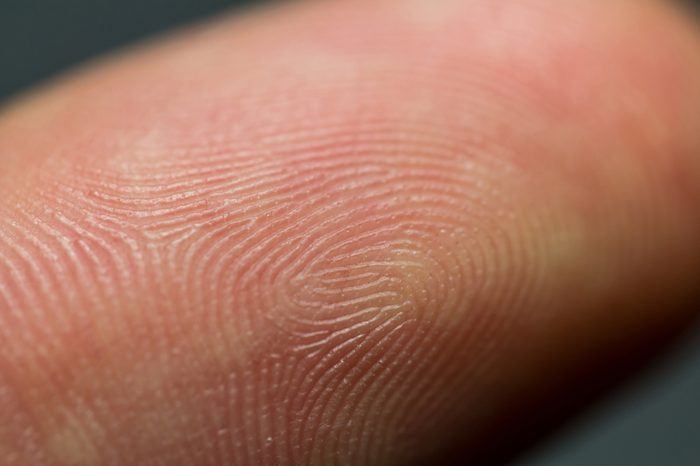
{"x":653,"y":422}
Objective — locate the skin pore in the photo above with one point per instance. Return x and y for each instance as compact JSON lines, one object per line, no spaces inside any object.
{"x":353,"y":232}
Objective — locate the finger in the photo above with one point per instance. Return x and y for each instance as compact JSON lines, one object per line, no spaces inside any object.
{"x":343,"y":233}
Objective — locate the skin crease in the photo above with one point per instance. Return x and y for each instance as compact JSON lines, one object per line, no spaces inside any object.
{"x":352,"y":232}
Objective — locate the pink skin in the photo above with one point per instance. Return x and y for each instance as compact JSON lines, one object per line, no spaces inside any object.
{"x":342,"y":233}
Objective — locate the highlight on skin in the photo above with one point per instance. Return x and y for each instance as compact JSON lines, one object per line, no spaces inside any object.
{"x":353,"y":232}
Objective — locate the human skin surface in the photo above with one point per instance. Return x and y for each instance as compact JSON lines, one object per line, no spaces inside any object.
{"x":353,"y":232}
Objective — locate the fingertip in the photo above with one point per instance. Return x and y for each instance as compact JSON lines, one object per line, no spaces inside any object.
{"x":362,"y":225}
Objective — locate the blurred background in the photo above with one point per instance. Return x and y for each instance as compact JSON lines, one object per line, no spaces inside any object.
{"x":653,"y":421}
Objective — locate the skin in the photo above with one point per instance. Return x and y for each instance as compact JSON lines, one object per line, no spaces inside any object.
{"x":352,"y":232}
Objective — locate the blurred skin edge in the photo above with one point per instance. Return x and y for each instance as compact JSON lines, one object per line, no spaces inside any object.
{"x":520,"y":432}
{"x":39,"y":89}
